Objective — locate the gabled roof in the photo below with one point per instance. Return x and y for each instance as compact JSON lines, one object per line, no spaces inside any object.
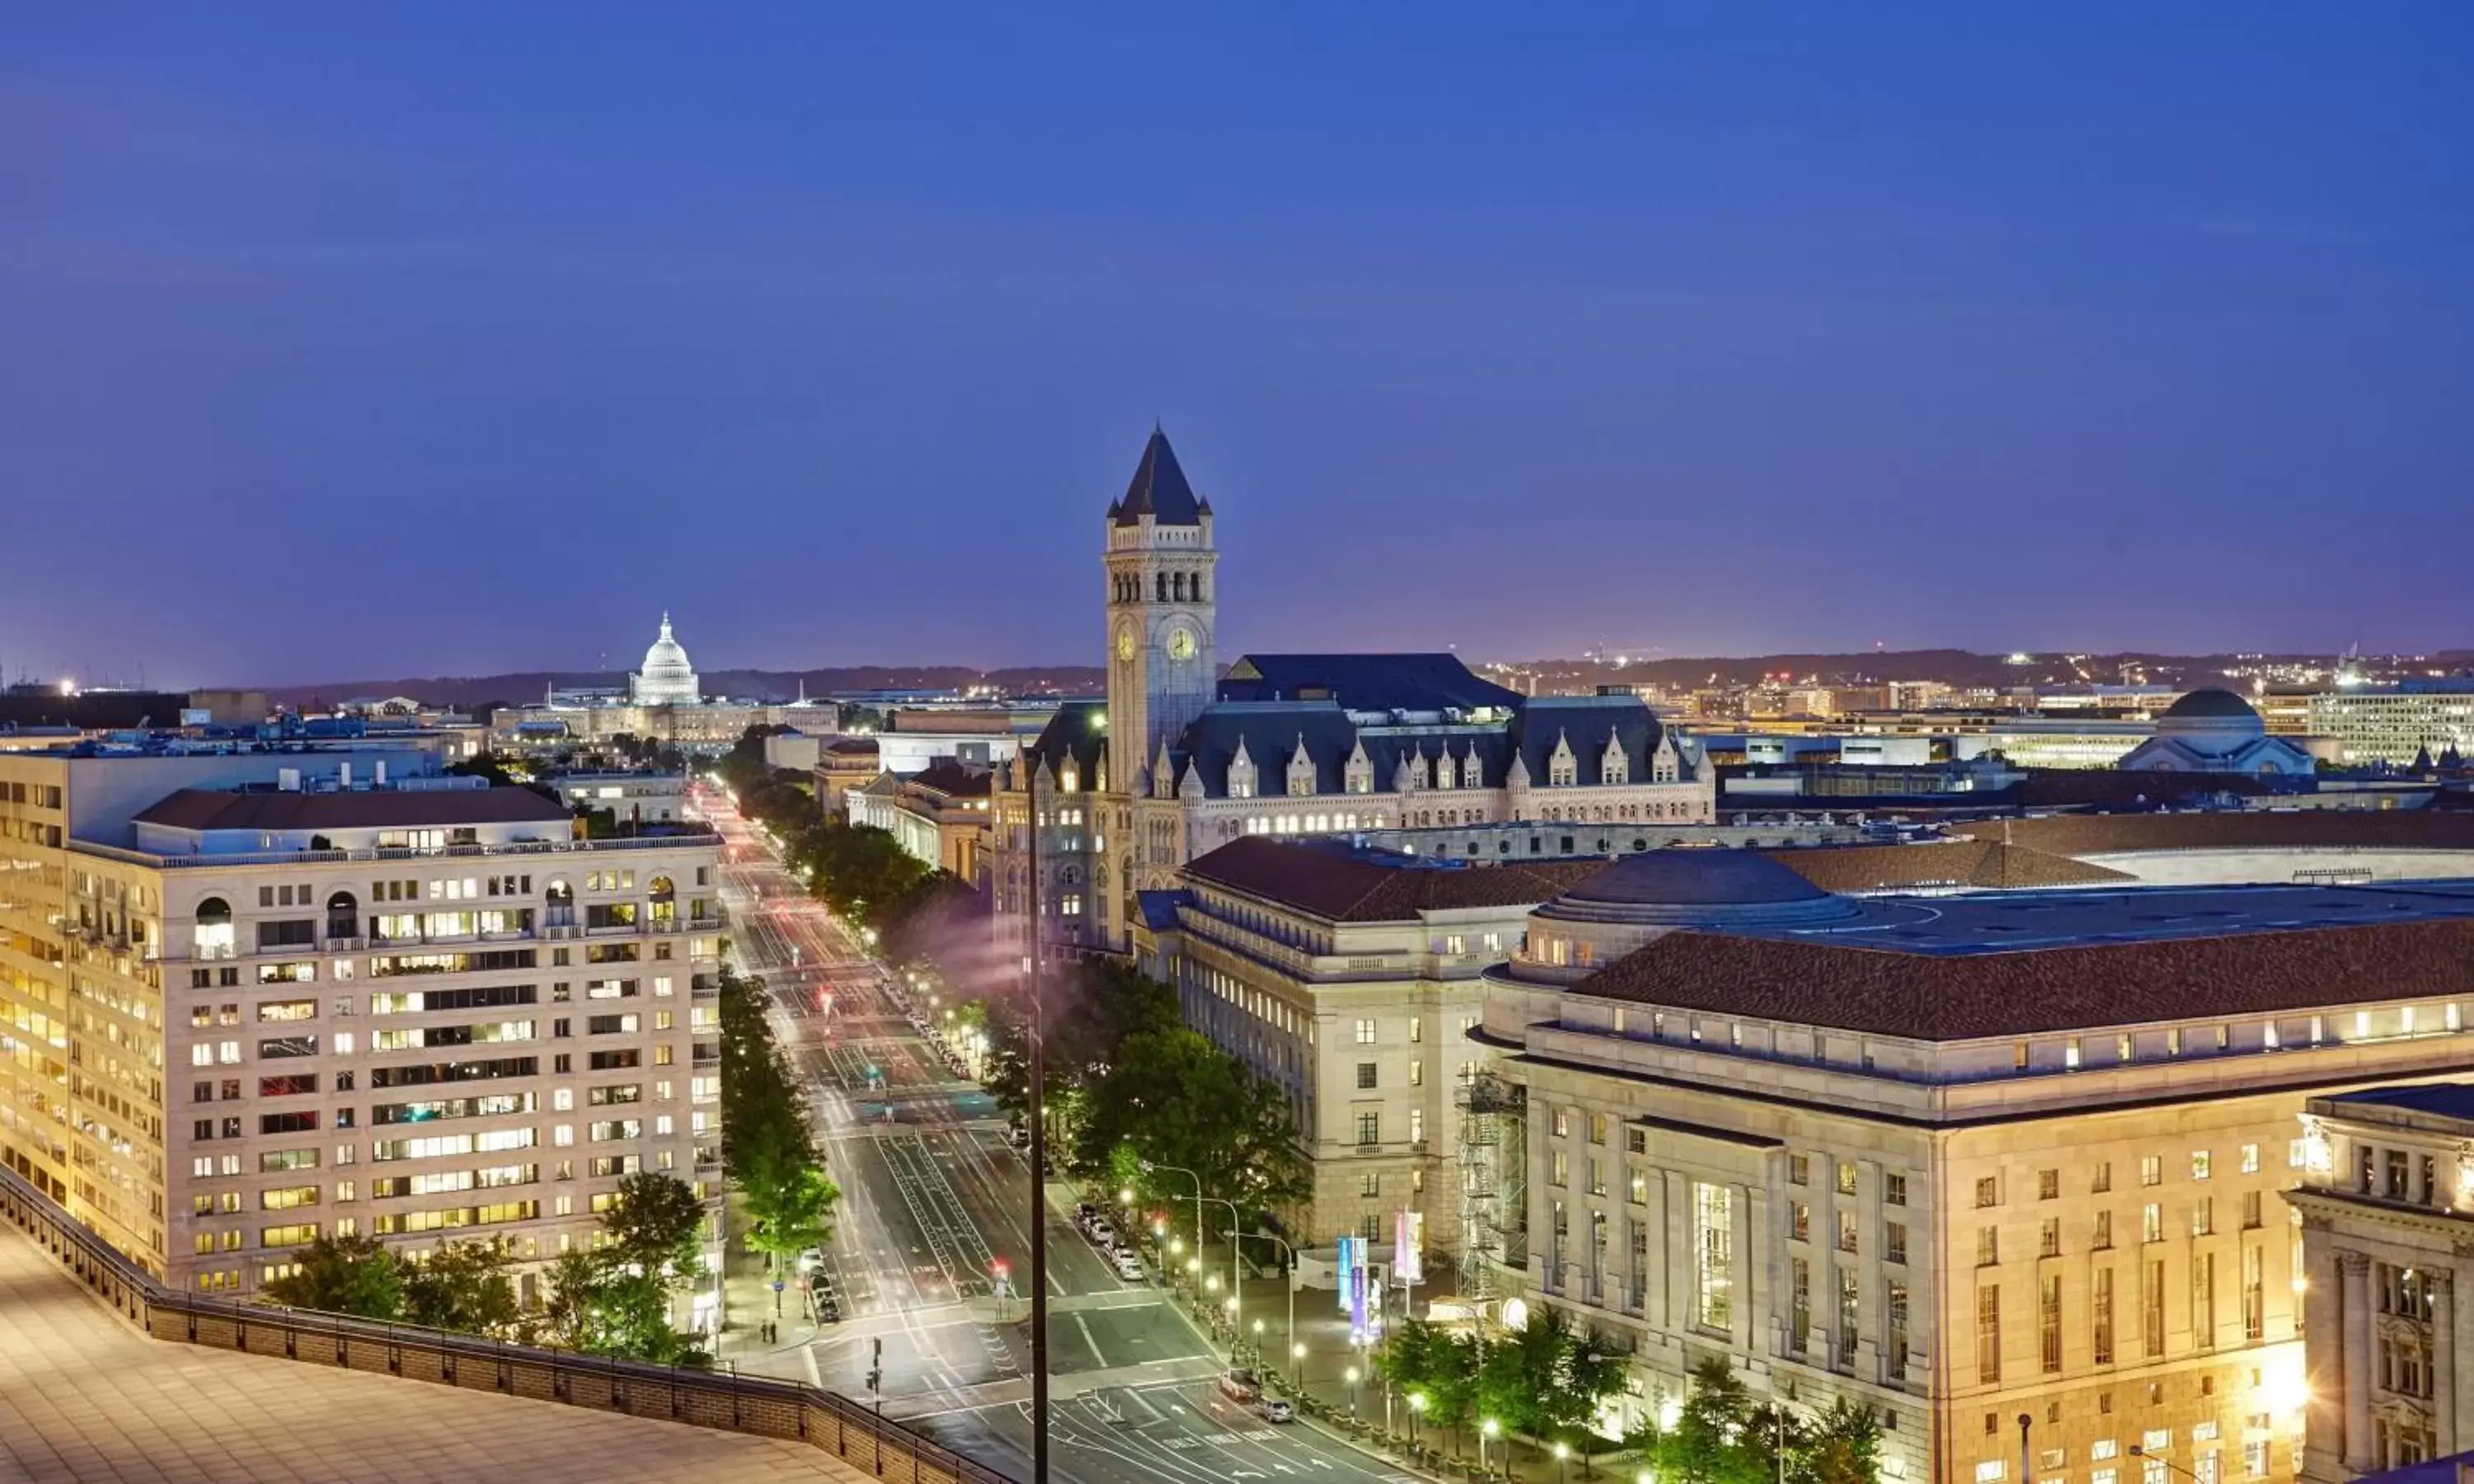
{"x":1160,"y":490}
{"x":387,"y":808}
{"x":1327,"y":878}
{"x":1365,"y":682}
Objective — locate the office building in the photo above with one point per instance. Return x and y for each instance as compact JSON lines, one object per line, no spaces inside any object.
{"x":248,"y":998}
{"x":2387,"y":1204}
{"x":1960,"y":1156}
{"x":2398,"y":724}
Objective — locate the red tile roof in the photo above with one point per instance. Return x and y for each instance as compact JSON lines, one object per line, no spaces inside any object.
{"x":2097,"y":834}
{"x":1332,"y":881}
{"x":1982,"y":864}
{"x":197,"y":809}
{"x":1963,"y":996}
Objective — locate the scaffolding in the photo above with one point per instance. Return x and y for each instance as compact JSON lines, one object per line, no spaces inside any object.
{"x":1495,"y":1202}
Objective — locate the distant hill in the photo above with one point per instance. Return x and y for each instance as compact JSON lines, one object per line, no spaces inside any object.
{"x":527,"y":686}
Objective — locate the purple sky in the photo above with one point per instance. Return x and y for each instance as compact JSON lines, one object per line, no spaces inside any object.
{"x":466,"y":341}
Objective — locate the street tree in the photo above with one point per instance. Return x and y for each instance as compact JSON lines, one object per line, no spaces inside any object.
{"x":654,"y":1225}
{"x":468,"y":1287}
{"x":342,"y":1275}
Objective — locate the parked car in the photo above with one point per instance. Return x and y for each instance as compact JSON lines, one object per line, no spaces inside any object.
{"x":1130,"y":1268}
{"x":1275,"y":1409}
{"x":1103,"y":1235}
{"x":829,"y":1308}
{"x":1239,"y":1384}
{"x":811,"y":1260}
{"x":1084,"y":1213}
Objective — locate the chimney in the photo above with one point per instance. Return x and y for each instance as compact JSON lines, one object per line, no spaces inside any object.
{"x":379,"y":769}
{"x":288,"y":779}
{"x":344,"y":776}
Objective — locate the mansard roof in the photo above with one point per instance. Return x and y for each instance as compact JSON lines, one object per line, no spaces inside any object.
{"x":1078,"y":732}
{"x":1585,"y":723}
{"x":1365,"y":682}
{"x":1160,"y":490}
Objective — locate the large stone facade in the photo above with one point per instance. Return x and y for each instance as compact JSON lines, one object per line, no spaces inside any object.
{"x":1289,"y":746}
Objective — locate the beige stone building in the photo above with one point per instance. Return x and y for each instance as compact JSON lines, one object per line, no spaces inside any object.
{"x":2387,"y":1202}
{"x":1963,"y":1157}
{"x":250,"y":998}
{"x":1350,"y":978}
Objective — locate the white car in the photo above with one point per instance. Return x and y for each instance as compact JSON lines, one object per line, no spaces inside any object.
{"x":1130,"y":1268}
{"x":811,"y":1260}
{"x":1275,"y":1409}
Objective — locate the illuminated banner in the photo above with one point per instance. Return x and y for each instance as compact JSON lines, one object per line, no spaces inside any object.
{"x":1345,"y":1264}
{"x":1354,"y":1283}
{"x":1408,"y":1243}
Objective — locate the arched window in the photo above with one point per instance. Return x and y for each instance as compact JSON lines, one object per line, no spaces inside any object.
{"x":560,"y":899}
{"x":214,"y":930}
{"x":1162,"y":586}
{"x":663,"y":897}
{"x":343,"y":916}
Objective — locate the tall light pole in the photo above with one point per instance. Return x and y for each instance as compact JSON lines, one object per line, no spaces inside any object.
{"x":1486,"y":1429}
{"x":1037,"y":1113}
{"x":1417,"y":1408}
{"x":1148,"y":1167}
{"x":1289,"y":1265}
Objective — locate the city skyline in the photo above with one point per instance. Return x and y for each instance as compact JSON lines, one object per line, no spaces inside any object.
{"x":2109,"y":332}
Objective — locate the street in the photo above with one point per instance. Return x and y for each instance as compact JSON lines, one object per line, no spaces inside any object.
{"x":934,"y":1207}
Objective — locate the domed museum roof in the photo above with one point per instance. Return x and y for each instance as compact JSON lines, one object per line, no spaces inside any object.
{"x":2218,"y":716}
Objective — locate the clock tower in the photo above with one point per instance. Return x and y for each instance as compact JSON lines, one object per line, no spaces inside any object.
{"x":1161,"y":585}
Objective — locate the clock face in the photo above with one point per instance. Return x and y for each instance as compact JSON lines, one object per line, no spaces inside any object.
{"x":1180,"y":644}
{"x":1125,"y":643}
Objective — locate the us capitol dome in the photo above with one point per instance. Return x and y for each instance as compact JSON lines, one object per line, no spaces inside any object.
{"x":667,"y":678}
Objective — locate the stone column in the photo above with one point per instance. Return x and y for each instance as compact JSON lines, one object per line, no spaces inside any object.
{"x":2354,"y":1297}
{"x":2444,"y":1360}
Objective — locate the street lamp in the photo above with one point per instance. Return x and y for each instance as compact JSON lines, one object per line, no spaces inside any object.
{"x":1563,"y":1461}
{"x":1351,"y":1375}
{"x":2138,"y":1450}
{"x":1486,"y":1429}
{"x":1417,"y":1407}
{"x":1289,"y":1265}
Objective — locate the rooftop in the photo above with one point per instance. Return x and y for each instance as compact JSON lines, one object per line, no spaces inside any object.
{"x":1978,"y":864}
{"x":83,"y":1396}
{"x":2247,"y":830}
{"x":2009,"y":964}
{"x":2451,"y":1100}
{"x":380,"y":808}
{"x":1343,"y":883}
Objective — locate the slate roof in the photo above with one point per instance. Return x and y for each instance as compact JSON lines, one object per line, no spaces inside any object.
{"x":1967,"y":997}
{"x":1330,"y":879}
{"x":2436,"y":1099}
{"x":1160,"y":490}
{"x":1078,"y":729}
{"x":1271,"y":731}
{"x":953,"y":780}
{"x":2100,"y":834}
{"x":1365,"y":682}
{"x":1978,"y":863}
{"x":206,"y":809}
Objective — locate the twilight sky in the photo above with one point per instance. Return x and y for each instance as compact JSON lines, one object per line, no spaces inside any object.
{"x":346,"y":342}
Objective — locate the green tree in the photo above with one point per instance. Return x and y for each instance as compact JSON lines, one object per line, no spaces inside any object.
{"x":465,"y":1285}
{"x":1423,"y":1357}
{"x":342,"y":1275}
{"x":601,"y":1305}
{"x":655,"y":1226}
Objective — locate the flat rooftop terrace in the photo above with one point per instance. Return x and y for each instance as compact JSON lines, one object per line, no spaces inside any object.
{"x":2015,"y":922}
{"x":85,"y":1397}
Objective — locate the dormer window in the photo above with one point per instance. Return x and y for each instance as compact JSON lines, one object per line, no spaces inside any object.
{"x":1444,"y":771}
{"x":1614,"y":767}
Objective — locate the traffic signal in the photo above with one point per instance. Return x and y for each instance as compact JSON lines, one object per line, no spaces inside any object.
{"x":875,"y":1365}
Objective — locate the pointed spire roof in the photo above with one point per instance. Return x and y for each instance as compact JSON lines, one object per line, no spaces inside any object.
{"x":1160,"y":490}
